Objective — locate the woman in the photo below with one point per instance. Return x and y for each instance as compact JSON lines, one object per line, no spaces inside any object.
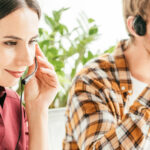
{"x":18,"y":32}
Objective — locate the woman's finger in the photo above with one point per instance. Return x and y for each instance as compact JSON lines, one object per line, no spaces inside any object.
{"x":49,"y":72}
{"x":49,"y":80}
{"x":44,"y":63}
{"x":39,"y":52}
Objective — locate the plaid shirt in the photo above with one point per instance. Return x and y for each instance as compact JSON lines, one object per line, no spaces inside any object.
{"x":95,"y":111}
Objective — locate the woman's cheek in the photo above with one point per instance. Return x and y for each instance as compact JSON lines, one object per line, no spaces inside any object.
{"x":6,"y":57}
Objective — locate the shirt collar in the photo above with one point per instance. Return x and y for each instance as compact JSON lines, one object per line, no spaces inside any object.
{"x":122,"y":66}
{"x":2,"y":91}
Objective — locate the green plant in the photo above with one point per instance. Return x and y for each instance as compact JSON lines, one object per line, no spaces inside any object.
{"x":64,"y":48}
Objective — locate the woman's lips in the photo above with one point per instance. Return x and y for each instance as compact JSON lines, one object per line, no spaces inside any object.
{"x":16,"y":74}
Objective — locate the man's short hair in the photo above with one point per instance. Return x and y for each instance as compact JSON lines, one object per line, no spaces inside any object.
{"x":136,"y":7}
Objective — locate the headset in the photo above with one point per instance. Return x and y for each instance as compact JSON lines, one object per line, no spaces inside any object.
{"x":139,"y":25}
{"x":24,"y":82}
{"x":26,"y":79}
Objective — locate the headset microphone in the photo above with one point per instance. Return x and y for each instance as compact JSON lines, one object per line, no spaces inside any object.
{"x":26,"y":79}
{"x":23,"y":82}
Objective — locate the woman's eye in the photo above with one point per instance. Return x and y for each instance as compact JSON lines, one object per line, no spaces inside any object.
{"x":10,"y":43}
{"x":33,"y":41}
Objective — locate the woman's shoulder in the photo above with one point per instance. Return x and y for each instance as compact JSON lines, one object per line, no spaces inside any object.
{"x":12,"y":94}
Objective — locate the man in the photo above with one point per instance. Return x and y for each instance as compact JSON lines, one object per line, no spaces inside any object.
{"x":109,"y":101}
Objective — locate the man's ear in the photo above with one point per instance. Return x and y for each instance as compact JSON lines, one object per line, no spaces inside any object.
{"x":130,"y":27}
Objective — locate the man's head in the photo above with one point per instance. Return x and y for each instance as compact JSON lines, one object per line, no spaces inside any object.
{"x":136,"y":16}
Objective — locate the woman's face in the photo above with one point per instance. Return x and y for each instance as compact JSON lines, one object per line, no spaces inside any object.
{"x":18,"y":34}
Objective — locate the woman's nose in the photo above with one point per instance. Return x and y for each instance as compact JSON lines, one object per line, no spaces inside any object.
{"x":26,"y":56}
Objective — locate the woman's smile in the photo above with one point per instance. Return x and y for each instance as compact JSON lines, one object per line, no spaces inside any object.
{"x":16,"y":74}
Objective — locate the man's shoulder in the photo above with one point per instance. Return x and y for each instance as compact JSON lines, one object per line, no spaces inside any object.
{"x":103,"y":63}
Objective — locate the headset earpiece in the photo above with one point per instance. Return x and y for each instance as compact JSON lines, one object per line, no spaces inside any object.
{"x":139,"y":25}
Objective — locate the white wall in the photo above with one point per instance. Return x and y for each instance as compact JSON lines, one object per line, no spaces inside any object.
{"x":56,"y":118}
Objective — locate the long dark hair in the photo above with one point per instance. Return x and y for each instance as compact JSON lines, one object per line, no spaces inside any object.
{"x":9,"y":6}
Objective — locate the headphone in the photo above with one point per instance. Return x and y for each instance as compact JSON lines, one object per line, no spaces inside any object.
{"x":24,"y":82}
{"x":139,"y":25}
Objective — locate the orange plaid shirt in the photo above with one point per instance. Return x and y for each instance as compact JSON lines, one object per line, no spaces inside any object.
{"x":95,"y":111}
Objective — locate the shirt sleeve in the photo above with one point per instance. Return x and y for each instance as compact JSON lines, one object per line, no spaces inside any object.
{"x":93,"y":121}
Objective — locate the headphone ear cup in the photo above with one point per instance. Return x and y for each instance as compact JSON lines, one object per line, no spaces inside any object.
{"x":139,"y":25}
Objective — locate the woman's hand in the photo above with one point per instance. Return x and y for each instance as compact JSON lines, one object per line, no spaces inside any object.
{"x":39,"y":92}
{"x":43,"y":86}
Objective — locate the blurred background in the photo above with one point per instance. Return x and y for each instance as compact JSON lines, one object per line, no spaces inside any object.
{"x":106,"y":13}
{"x":72,"y":32}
